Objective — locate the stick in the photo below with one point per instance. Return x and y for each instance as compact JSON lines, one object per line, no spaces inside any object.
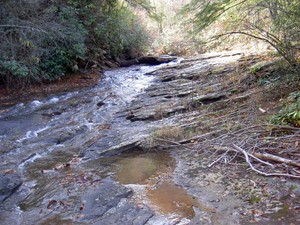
{"x":214,"y":162}
{"x":172,"y":142}
{"x":198,"y":137}
{"x":277,"y":159}
{"x":252,"y":156}
{"x":258,"y":171}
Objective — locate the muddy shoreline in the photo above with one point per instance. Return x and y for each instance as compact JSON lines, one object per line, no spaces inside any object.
{"x":71,"y":82}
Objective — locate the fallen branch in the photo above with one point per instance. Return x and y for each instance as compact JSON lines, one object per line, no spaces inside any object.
{"x":199,"y":137}
{"x":221,"y":157}
{"x":172,"y":142}
{"x":284,"y":128}
{"x":252,"y":156}
{"x":258,"y":171}
{"x":276,"y":159}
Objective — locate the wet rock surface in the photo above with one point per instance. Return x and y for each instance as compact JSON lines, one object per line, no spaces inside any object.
{"x":9,"y":184}
{"x":108,"y":203}
{"x":69,"y":150}
{"x":127,"y":214}
{"x":103,"y":198}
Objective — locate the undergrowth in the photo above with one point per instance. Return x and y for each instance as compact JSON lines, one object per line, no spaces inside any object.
{"x":290,"y":112}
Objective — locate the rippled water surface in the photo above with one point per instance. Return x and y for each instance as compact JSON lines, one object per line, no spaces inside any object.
{"x":64,"y":145}
{"x":55,"y":145}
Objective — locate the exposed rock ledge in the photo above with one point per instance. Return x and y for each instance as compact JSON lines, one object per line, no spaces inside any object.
{"x":150,"y":60}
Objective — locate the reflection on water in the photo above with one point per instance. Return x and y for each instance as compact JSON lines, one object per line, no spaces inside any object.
{"x":136,"y":169}
{"x":171,"y":199}
{"x":152,"y":172}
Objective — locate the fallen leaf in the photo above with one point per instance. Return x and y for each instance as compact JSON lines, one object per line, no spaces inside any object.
{"x":51,"y":204}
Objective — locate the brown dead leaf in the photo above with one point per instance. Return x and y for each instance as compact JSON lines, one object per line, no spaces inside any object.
{"x":52,"y":204}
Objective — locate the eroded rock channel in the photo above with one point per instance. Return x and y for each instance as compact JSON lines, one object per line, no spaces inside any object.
{"x":93,"y":157}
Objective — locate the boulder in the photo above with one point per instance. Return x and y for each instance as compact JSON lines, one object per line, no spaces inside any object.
{"x":149,"y":60}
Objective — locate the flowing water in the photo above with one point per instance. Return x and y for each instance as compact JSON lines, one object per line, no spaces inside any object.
{"x":56,"y":145}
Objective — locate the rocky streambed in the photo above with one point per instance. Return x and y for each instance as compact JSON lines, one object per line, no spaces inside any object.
{"x":125,"y":151}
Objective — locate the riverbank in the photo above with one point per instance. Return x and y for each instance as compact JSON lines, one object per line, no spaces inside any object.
{"x":70,"y":82}
{"x":214,"y":112}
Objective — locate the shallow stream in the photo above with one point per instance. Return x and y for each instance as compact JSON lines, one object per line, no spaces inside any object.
{"x":63,"y":145}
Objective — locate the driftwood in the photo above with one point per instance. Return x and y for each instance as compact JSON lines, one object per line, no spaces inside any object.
{"x":258,"y":157}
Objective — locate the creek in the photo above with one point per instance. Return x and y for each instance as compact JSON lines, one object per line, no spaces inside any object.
{"x":66,"y":149}
{"x":90,"y":156}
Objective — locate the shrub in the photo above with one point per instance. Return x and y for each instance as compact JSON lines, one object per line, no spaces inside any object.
{"x":273,"y":22}
{"x":39,"y":43}
{"x":290,"y":113}
{"x":13,"y":70}
{"x":42,"y":40}
{"x":121,"y":34}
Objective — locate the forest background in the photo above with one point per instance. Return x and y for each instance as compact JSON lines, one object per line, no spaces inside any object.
{"x":43,"y":40}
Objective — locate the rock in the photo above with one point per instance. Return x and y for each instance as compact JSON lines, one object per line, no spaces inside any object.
{"x":110,"y":64}
{"x":126,"y":63}
{"x":9,"y":184}
{"x":103,"y":198}
{"x":108,"y":204}
{"x":178,"y":89}
{"x":127,"y":214}
{"x":210,"y":98}
{"x":101,"y":103}
{"x":116,"y":141}
{"x":123,"y":146}
{"x":150,"y":60}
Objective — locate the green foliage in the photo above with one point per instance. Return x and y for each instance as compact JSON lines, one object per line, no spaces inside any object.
{"x":209,"y":12}
{"x":43,"y":40}
{"x":290,"y":113}
{"x":37,"y":47}
{"x":121,"y":34}
{"x":64,"y":45}
{"x":14,"y":68}
{"x":254,"y":199}
{"x":276,"y":74}
{"x":257,"y":67}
